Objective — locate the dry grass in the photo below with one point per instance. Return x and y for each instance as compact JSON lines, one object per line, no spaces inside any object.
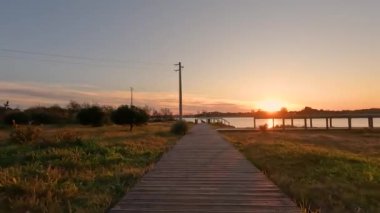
{"x":79,"y":169}
{"x":323,"y":171}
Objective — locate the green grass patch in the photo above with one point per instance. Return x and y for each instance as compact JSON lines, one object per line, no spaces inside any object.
{"x":85,"y":173}
{"x":322,"y":171}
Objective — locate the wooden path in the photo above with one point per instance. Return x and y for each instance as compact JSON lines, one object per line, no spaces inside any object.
{"x":204,"y":173}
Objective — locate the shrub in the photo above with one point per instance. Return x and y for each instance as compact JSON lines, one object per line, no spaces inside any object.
{"x":42,"y":118}
{"x":16,"y":116}
{"x":69,"y":137}
{"x":48,"y":115}
{"x":263,"y":128}
{"x":25,"y":134}
{"x":129,"y":115}
{"x":92,"y":115}
{"x":179,"y":128}
{"x":62,"y":138}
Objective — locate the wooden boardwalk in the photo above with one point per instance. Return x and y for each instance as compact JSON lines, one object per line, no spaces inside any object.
{"x":204,"y":173}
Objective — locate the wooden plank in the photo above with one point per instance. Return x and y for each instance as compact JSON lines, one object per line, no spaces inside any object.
{"x":204,"y":173}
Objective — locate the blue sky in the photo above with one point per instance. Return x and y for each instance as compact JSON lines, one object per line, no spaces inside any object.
{"x":238,"y":55}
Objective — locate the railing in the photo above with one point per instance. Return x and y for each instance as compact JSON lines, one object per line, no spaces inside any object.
{"x":211,"y":120}
{"x":327,"y":118}
{"x":307,"y":120}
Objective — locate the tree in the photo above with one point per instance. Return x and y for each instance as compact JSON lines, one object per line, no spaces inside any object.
{"x":148,"y":109}
{"x":156,"y":116}
{"x":3,"y":109}
{"x":129,"y":115}
{"x":47,"y":115}
{"x":6,"y":105}
{"x":91,"y":115}
{"x":17,"y":117}
{"x":73,"y":107}
{"x":163,"y":115}
{"x":166,"y":114}
{"x":108,"y":112}
{"x":283,"y":111}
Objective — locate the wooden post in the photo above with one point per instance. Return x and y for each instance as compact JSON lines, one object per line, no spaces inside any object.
{"x":254,"y":123}
{"x":327,"y":123}
{"x":292,"y":123}
{"x":331,"y":123}
{"x":283,"y":123}
{"x":305,"y":121}
{"x":311,"y":122}
{"x":273,"y":123}
{"x":370,"y":122}
{"x":180,"y":88}
{"x":349,"y":123}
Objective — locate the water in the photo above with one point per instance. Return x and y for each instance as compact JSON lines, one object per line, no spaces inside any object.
{"x":244,"y":122}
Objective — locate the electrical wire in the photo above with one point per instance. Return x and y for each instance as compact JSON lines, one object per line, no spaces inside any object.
{"x":71,"y":57}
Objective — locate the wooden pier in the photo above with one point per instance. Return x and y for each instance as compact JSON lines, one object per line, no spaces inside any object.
{"x":308,"y":120}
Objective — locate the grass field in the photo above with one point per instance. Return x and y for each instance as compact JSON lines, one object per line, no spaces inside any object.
{"x":87,"y":170}
{"x":325,"y":171}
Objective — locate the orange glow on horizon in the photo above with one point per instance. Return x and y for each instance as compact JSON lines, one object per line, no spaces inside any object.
{"x":270,"y":105}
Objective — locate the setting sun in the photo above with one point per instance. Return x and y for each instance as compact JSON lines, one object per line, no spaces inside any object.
{"x":270,"y":105}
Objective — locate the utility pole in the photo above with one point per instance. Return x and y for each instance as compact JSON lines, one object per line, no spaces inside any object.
{"x":180,"y":88}
{"x":131,"y":96}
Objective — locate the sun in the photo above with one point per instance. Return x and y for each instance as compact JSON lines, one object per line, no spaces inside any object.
{"x":270,"y":105}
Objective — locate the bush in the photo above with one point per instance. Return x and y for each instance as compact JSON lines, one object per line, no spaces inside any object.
{"x":179,"y":128}
{"x":42,"y":118}
{"x":129,"y":115}
{"x":16,"y":116}
{"x":68,"y":137}
{"x":48,"y":115}
{"x":92,"y":115}
{"x":263,"y":128}
{"x":25,"y":134}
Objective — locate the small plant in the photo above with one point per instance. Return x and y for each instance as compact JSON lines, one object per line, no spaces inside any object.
{"x":25,"y":134}
{"x":69,"y":137}
{"x":263,"y":128}
{"x":179,"y":128}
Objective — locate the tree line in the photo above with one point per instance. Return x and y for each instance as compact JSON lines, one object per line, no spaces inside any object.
{"x":85,"y":114}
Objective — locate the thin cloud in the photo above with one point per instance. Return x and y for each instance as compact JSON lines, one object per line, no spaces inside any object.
{"x":25,"y":94}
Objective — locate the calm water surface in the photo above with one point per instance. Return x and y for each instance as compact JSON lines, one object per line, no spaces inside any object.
{"x":243,"y":122}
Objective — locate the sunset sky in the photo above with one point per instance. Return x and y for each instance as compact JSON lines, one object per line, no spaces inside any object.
{"x":238,"y":54}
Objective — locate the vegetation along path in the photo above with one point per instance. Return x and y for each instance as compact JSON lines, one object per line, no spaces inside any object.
{"x":204,"y":173}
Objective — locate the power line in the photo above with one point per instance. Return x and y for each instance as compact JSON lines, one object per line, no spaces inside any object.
{"x":106,"y":60}
{"x":54,"y":61}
